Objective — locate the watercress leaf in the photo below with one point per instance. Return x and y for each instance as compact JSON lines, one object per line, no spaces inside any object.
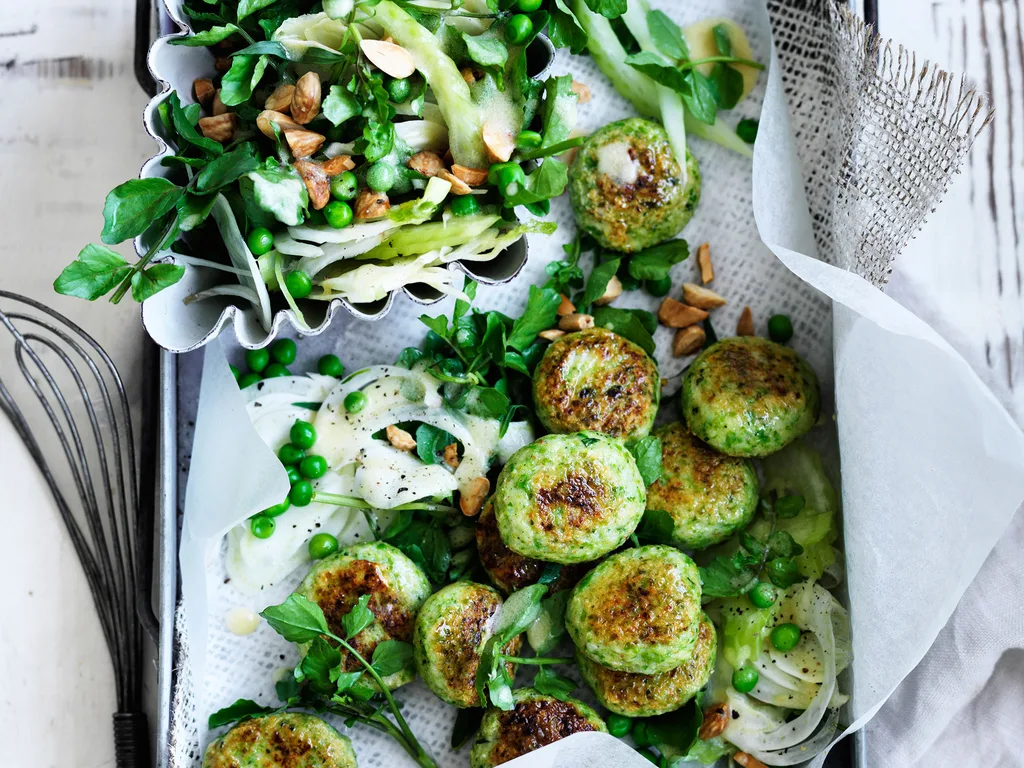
{"x":550,"y":574}
{"x":438,"y":325}
{"x":728,"y":85}
{"x":131,"y":208}
{"x":564,"y":29}
{"x":544,"y":183}
{"x":226,"y":169}
{"x":238,"y":82}
{"x":540,"y":313}
{"x":431,"y":442}
{"x":278,"y":191}
{"x":515,"y":361}
{"x":318,"y":663}
{"x":700,"y":96}
{"x":242,"y":709}
{"x":559,"y":113}
{"x":783,"y":572}
{"x":288,"y":689}
{"x":467,"y":723}
{"x":391,"y":656}
{"x":722,"y":40}
{"x":170,"y":161}
{"x":550,"y":683}
{"x":782,"y":544}
{"x":656,"y":525}
{"x":358,"y":619}
{"x":210,"y":36}
{"x":724,"y":578}
{"x":148,"y":282}
{"x":654,"y":263}
{"x":598,"y":281}
{"x":626,"y":324}
{"x":752,"y":544}
{"x":96,"y":272}
{"x":548,"y":629}
{"x":667,"y":36}
{"x":379,"y":138}
{"x":658,"y":69}
{"x":297,"y":619}
{"x":610,"y":9}
{"x":677,"y":730}
{"x":487,"y":49}
{"x":408,"y":357}
{"x":518,"y":612}
{"x":340,"y":105}
{"x":186,"y":129}
{"x":499,"y":688}
{"x":248,"y":7}
{"x":494,"y":401}
{"x":193,"y":210}
{"x":461,"y":305}
{"x":709,"y":331}
{"x":649,"y":320}
{"x":647,"y":452}
{"x":345,"y":680}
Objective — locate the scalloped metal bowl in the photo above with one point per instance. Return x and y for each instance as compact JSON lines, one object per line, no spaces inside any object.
{"x":181,"y":327}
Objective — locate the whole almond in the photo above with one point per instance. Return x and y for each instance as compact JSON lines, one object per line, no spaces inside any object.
{"x":220,"y":127}
{"x":700,"y":297}
{"x":218,"y":107}
{"x":281,"y":99}
{"x":451,"y":455}
{"x":716,"y":718}
{"x":688,"y":340}
{"x":576,"y":322}
{"x":748,"y":761}
{"x":306,"y":98}
{"x":389,"y":58}
{"x":472,"y":499}
{"x":399,"y":438}
{"x":303,"y":143}
{"x":551,"y":334}
{"x":316,"y":181}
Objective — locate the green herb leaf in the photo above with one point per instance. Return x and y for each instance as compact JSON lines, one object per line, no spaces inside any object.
{"x":598,"y":281}
{"x":540,"y":314}
{"x":518,"y":612}
{"x":647,"y":452}
{"x":340,"y":105}
{"x":243,"y":709}
{"x":288,"y":689}
{"x":487,"y":49}
{"x":227,"y":169}
{"x":379,"y":138}
{"x":409,"y":357}
{"x":654,"y":263}
{"x":564,"y":29}
{"x":550,"y":683}
{"x":548,"y":629}
{"x":722,"y":41}
{"x":626,"y":323}
{"x":551,"y":573}
{"x":467,"y":723}
{"x":193,"y":210}
{"x":185,"y":124}
{"x":700,"y":97}
{"x":131,"y":208}
{"x":237,"y":85}
{"x":677,"y":730}
{"x":726,"y":577}
{"x":431,"y":442}
{"x":320,"y":661}
{"x":297,"y":619}
{"x":610,"y":9}
{"x":345,"y":680}
{"x":728,"y":85}
{"x":546,"y":182}
{"x":659,"y":70}
{"x":358,"y":619}
{"x":96,"y":272}
{"x":248,"y":7}
{"x":667,"y":36}
{"x":391,"y":656}
{"x":277,"y":191}
{"x":210,"y":36}
{"x":559,"y":113}
{"x":782,"y":544}
{"x":658,"y":526}
{"x":148,"y":282}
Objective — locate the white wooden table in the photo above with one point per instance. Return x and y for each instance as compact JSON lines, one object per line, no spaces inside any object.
{"x":69,"y":131}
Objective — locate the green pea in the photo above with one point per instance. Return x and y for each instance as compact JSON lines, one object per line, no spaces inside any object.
{"x":262,"y":527}
{"x":298,"y":283}
{"x":322,"y":545}
{"x":302,"y":434}
{"x":789,"y":506}
{"x":248,"y":379}
{"x":518,"y":29}
{"x":465,"y":205}
{"x":278,"y":509}
{"x":260,"y":241}
{"x":313,"y":467}
{"x":381,"y":176}
{"x":528,"y":140}
{"x":745,"y":679}
{"x":301,"y":493}
{"x":659,"y":287}
{"x":294,"y":475}
{"x":344,"y":186}
{"x":338,"y":214}
{"x":290,"y":454}
{"x":747,"y":130}
{"x":529,"y":6}
{"x":355,"y":402}
{"x":235,"y":372}
{"x":783,"y":570}
{"x":274,"y":370}
{"x":619,"y":725}
{"x":283,"y":351}
{"x":780,"y":328}
{"x":330,"y":365}
{"x":640,"y":735}
{"x":257,"y":359}
{"x":786,"y":637}
{"x":648,"y":754}
{"x":762,"y":595}
{"x":399,"y":90}
{"x":629,"y":283}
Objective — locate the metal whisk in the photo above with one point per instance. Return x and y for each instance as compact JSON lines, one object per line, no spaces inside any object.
{"x":70,"y":398}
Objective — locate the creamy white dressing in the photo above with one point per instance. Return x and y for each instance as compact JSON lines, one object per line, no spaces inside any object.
{"x":241,"y":620}
{"x":616,"y":161}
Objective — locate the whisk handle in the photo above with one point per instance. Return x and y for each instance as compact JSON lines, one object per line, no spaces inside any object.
{"x":131,"y":740}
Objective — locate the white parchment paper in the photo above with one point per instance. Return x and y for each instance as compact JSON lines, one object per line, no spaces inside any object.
{"x":932,"y":467}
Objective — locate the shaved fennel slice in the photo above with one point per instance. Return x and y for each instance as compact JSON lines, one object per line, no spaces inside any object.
{"x":287,"y":389}
{"x":350,"y":234}
{"x":241,"y":291}
{"x":423,"y":135}
{"x":241,"y":257}
{"x":805,"y":750}
{"x":813,"y":610}
{"x":771,"y":692}
{"x":331,"y":254}
{"x":372,"y":282}
{"x":387,"y":477}
{"x":290,"y":247}
{"x":283,"y":287}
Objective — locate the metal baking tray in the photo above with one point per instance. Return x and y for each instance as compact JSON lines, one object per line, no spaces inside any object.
{"x":169,"y":403}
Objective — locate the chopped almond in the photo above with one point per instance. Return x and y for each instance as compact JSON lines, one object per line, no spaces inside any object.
{"x":389,"y":58}
{"x":576,"y":322}
{"x":566,"y":307}
{"x":451,"y":455}
{"x":338,"y":165}
{"x":748,"y":761}
{"x":371,"y":205}
{"x":582,"y":91}
{"x":611,"y":292}
{"x":316,"y":182}
{"x":399,"y":438}
{"x":499,"y":143}
{"x":426,"y":162}
{"x":281,"y":99}
{"x":551,"y":334}
{"x":204,"y":90}
{"x":745,"y":325}
{"x":304,"y":143}
{"x":471,"y":500}
{"x":306,"y":98}
{"x":716,"y":718}
{"x":688,"y":340}
{"x":707,"y":272}
{"x":675,"y":314}
{"x":220,"y":127}
{"x":218,"y":107}
{"x":468,"y":75}
{"x":222,"y":63}
{"x":702,"y":298}
{"x":459,"y":187}
{"x":268,"y":116}
{"x":475,"y":177}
